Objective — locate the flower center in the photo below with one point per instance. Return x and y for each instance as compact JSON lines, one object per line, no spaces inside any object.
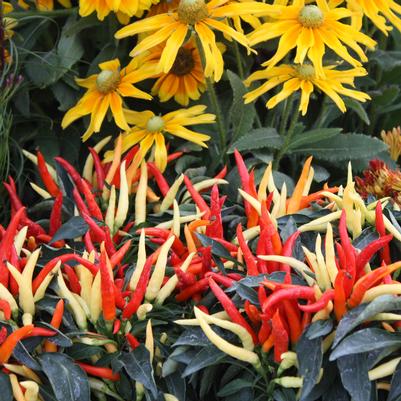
{"x":107,"y":81}
{"x":311,"y":16}
{"x":306,"y":71}
{"x":184,"y":62}
{"x":155,"y":124}
{"x":192,"y":11}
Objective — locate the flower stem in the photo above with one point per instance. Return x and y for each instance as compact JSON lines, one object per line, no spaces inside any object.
{"x":290,"y":132}
{"x":238,"y":59}
{"x":36,"y":13}
{"x":214,"y":103}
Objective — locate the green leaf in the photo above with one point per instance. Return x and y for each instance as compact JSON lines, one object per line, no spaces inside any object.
{"x":312,"y":136}
{"x":83,"y":351}
{"x":319,"y":329}
{"x":345,"y":147}
{"x":233,"y":387}
{"x":395,"y":389}
{"x":217,"y":249}
{"x":6,"y":389}
{"x":43,"y":70}
{"x":73,"y":228}
{"x":360,"y":314}
{"x":207,"y":356}
{"x":64,"y":94}
{"x":69,"y":47}
{"x":68,"y":380}
{"x":357,"y":107}
{"x":387,"y":97}
{"x":258,"y":138}
{"x":366,"y":340}
{"x":138,"y":366}
{"x":241,"y":115}
{"x":354,"y":375}
{"x":310,"y":357}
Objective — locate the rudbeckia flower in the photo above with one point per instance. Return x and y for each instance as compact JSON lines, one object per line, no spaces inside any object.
{"x":7,"y":7}
{"x":378,"y":11}
{"x":310,"y":28}
{"x":106,"y":90}
{"x":203,"y":18}
{"x":304,"y":78}
{"x":149,"y":129}
{"x":185,"y":80}
{"x":393,"y":140}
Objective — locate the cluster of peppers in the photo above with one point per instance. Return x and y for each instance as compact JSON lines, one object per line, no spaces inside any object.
{"x":114,"y":199}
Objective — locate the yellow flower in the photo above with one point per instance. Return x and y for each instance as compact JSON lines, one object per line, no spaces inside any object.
{"x":310,"y":28}
{"x":203,"y":18}
{"x":378,"y":11}
{"x":304,"y":78}
{"x":185,"y":80}
{"x":150,"y":129}
{"x":46,"y":5}
{"x":105,"y":90}
{"x":131,"y":7}
{"x":87,"y":7}
{"x":163,"y":6}
{"x":7,"y":7}
{"x":393,"y":140}
{"x":8,"y":25}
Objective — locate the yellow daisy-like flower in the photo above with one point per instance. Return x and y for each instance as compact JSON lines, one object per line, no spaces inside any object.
{"x":378,"y":11}
{"x":304,"y":78}
{"x":7,"y":7}
{"x":105,"y":90}
{"x":310,"y":28}
{"x":393,"y":140}
{"x":130,"y":7}
{"x":203,"y":18}
{"x":87,"y":7}
{"x":163,"y":6}
{"x":150,"y":129}
{"x":185,"y":80}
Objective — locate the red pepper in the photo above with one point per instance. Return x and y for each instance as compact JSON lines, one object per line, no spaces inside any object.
{"x":111,"y":250}
{"x":93,"y":207}
{"x":55,"y":216}
{"x":367,"y":253}
{"x":244,"y":176}
{"x":117,"y":257}
{"x":184,"y":278}
{"x":288,"y":248}
{"x":266,"y":222}
{"x":76,"y":178}
{"x":88,"y":242}
{"x":297,"y":292}
{"x":97,"y":371}
{"x":116,"y":326}
{"x":5,"y":307}
{"x":174,"y":156}
{"x":16,"y":262}
{"x":204,"y":309}
{"x":381,"y":229}
{"x":73,"y":280}
{"x":252,"y":312}
{"x":7,"y":348}
{"x":132,"y":341}
{"x":339,"y":296}
{"x":197,"y":198}
{"x":222,"y":173}
{"x":96,"y":231}
{"x":100,"y":174}
{"x":268,"y":343}
{"x":219,"y":278}
{"x":3,"y":334}
{"x":294,"y":320}
{"x":178,"y":247}
{"x":41,"y":332}
{"x":280,"y":336}
{"x":63,"y":259}
{"x":140,"y":290}
{"x":231,"y":309}
{"x":350,"y":266}
{"x":216,"y":228}
{"x":58,"y":313}
{"x":190,"y":291}
{"x":46,"y":177}
{"x":262,"y":297}
{"x":81,"y":206}
{"x":320,"y":304}
{"x":160,"y":180}
{"x":206,"y":260}
{"x":107,"y":288}
{"x":264,"y":331}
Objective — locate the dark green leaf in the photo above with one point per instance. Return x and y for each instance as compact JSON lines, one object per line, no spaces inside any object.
{"x":138,"y":366}
{"x":366,"y":340}
{"x":192,"y":336}
{"x":360,"y":314}
{"x":354,"y":375}
{"x":310,"y":357}
{"x":68,"y":380}
{"x":233,"y":387}
{"x":176,"y":385}
{"x":73,"y":228}
{"x":6,"y":393}
{"x":207,"y":356}
{"x":345,"y":147}
{"x":284,"y":394}
{"x":310,"y":137}
{"x":258,"y":138}
{"x":241,"y":115}
{"x":395,"y":390}
{"x":83,"y":351}
{"x":319,"y":329}
{"x":217,"y":249}
{"x":357,"y":107}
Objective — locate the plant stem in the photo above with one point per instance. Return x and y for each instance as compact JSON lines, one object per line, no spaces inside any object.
{"x":36,"y":13}
{"x":214,"y":103}
{"x":240,"y":67}
{"x":284,"y":116}
{"x":290,"y":132}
